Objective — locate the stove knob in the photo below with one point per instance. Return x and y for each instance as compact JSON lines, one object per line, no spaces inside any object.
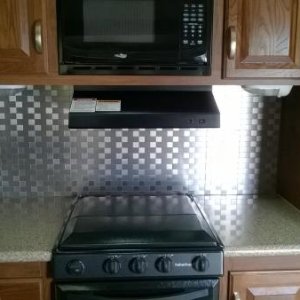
{"x":200,"y":263}
{"x":164,"y":264}
{"x":111,"y":266}
{"x":75,"y":267}
{"x":138,"y":265}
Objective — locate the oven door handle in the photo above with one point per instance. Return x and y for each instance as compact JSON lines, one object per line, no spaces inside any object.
{"x":184,"y":296}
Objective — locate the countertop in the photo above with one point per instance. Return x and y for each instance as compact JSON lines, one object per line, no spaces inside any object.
{"x":29,"y":227}
{"x":247,"y":225}
{"x":255,"y":225}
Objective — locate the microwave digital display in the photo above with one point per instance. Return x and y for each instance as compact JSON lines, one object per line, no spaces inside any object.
{"x":134,"y":36}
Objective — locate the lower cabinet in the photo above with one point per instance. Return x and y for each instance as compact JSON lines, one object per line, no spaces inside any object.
{"x":24,"y":281}
{"x":21,"y":289}
{"x":271,"y":285}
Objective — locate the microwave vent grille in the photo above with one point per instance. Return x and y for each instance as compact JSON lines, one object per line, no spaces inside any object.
{"x":133,"y":69}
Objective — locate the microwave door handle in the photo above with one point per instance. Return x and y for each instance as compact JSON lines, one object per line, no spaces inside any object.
{"x":186,"y":296}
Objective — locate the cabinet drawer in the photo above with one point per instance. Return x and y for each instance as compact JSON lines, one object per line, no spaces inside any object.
{"x":20,"y":289}
{"x":272,"y":285}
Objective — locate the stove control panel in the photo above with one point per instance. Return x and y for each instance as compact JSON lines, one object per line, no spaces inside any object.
{"x":132,"y":265}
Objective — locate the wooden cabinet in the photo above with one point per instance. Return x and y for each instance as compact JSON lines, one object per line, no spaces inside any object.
{"x":21,"y":289}
{"x":24,"y":281}
{"x":23,"y":48}
{"x":272,"y":285}
{"x":262,"y":39}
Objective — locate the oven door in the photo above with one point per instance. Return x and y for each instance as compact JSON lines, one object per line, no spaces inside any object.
{"x":140,"y":290}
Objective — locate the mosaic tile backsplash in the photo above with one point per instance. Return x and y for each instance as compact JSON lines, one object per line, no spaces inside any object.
{"x":40,"y":156}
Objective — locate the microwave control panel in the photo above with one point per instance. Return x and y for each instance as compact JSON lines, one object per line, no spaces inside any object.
{"x":193,"y":20}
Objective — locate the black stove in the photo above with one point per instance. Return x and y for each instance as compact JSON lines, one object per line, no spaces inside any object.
{"x":132,"y":238}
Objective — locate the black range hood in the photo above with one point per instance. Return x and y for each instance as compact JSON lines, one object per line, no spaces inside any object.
{"x":146,"y":108}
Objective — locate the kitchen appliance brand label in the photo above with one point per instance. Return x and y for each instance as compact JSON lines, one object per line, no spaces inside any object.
{"x":120,"y":55}
{"x":180,"y":265}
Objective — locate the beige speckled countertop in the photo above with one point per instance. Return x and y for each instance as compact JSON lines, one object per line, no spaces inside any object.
{"x":255,"y":225}
{"x":29,"y":227}
{"x":248,"y":226}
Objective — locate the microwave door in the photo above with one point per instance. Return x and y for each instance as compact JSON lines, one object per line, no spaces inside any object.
{"x":112,"y":36}
{"x":115,"y":29}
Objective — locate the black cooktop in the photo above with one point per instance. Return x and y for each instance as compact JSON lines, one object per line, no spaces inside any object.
{"x":136,"y":222}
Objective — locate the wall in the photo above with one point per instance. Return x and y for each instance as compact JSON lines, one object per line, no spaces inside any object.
{"x":40,"y":156}
{"x":289,"y":159}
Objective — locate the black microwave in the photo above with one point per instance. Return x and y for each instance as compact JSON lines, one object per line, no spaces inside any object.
{"x":135,"y":36}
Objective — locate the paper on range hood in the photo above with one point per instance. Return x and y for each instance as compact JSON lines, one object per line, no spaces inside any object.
{"x":143,"y":109}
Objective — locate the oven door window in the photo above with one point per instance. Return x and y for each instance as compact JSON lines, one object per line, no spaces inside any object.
{"x":98,"y":29}
{"x":150,"y":290}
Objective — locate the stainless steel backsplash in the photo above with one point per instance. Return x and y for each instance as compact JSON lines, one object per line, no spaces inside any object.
{"x":40,"y":156}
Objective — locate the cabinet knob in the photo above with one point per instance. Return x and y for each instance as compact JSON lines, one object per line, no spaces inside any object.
{"x":236,"y":296}
{"x":231,"y":42}
{"x":38,"y":36}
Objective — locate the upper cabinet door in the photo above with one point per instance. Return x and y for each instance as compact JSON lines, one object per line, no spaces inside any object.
{"x":262,"y":39}
{"x":22,"y":37}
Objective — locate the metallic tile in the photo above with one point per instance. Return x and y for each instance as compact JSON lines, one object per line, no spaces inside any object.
{"x":40,"y":156}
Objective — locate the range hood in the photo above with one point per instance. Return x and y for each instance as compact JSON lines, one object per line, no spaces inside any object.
{"x":145,"y":108}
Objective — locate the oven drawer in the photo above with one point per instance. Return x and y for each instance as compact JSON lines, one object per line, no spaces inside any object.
{"x":140,"y":290}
